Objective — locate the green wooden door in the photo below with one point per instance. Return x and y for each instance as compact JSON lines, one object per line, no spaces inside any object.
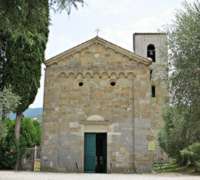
{"x":90,"y":153}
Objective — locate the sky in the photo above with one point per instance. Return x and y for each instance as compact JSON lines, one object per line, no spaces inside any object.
{"x":117,"y":20}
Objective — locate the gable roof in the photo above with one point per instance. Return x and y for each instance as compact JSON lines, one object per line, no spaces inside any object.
{"x":103,"y":42}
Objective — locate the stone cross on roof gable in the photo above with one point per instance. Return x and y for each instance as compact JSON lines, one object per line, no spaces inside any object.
{"x":97,"y":31}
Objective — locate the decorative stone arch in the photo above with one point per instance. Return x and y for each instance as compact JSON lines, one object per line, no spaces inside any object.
{"x":79,"y":76}
{"x":62,"y":75}
{"x":113,"y":75}
{"x":122,"y":75}
{"x":95,"y":118}
{"x":96,"y":75}
{"x":88,"y":75}
{"x":105,"y":75}
{"x":71,"y":75}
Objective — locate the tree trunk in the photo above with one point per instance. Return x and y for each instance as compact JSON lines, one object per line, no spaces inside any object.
{"x":19,"y":116}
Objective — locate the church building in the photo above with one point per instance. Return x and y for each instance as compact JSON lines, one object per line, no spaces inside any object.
{"x":103,"y":106}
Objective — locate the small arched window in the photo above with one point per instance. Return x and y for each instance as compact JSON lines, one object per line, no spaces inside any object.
{"x":151,"y":52}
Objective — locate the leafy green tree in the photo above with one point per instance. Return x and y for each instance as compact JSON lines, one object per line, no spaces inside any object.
{"x":30,"y":136}
{"x":60,"y":5}
{"x":182,"y":122}
{"x":184,"y":39}
{"x":8,"y":103}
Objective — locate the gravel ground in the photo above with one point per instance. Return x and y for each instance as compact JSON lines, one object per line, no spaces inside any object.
{"x":11,"y":175}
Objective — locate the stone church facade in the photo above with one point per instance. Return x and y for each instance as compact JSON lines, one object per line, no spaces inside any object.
{"x":103,"y":105}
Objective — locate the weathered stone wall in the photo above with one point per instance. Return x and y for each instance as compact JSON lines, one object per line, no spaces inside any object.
{"x":159,"y":78}
{"x":124,"y":109}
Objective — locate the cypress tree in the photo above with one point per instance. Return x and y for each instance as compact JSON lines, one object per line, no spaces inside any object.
{"x":24,"y":55}
{"x":23,"y":38}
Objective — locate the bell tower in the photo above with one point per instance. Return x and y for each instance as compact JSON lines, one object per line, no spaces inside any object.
{"x":154,"y":46}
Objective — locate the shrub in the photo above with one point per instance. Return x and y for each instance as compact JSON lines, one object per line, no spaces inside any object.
{"x":178,"y":134}
{"x":30,"y":136}
{"x":173,"y":136}
{"x":191,"y":155}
